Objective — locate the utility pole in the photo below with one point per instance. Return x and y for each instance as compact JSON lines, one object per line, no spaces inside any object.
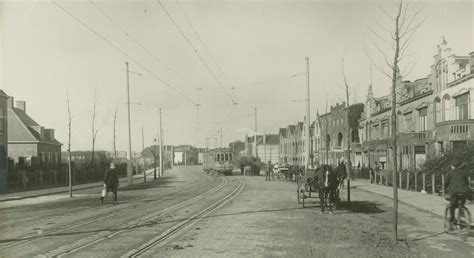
{"x":184,"y":155}
{"x":308,"y":99}
{"x":154,"y":156}
{"x":161,"y":146}
{"x":255,"y":136}
{"x":129,"y":161}
{"x":143,"y":155}
{"x":221,"y":136}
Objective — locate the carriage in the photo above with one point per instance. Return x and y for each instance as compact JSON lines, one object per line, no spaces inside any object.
{"x":324,"y":181}
{"x":306,"y":184}
{"x":218,"y":160}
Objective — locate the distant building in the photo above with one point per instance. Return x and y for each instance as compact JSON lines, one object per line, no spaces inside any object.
{"x":29,"y":142}
{"x":201,"y":152}
{"x":267,"y":147}
{"x":185,"y":155}
{"x":3,"y":140}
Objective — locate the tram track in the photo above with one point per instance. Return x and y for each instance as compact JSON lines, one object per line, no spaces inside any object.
{"x":107,"y":234}
{"x":102,"y":216}
{"x":177,"y":229}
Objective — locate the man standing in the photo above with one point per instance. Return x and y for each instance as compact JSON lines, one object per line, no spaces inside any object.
{"x":111,"y":183}
{"x":268,"y":171}
{"x":341,"y":172}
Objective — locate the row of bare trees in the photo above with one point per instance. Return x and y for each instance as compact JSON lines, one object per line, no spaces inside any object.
{"x":94,"y":134}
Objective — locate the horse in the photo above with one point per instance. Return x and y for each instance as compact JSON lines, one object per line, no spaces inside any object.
{"x":328,"y":183}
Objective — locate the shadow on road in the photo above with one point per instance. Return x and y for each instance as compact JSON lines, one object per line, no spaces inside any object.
{"x":365,"y":207}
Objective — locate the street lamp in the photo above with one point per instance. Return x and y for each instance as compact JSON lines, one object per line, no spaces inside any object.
{"x":154,"y":155}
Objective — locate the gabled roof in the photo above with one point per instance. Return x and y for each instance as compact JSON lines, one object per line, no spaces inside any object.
{"x":20,"y":128}
{"x":291,"y":129}
{"x":25,"y":118}
{"x":3,"y":94}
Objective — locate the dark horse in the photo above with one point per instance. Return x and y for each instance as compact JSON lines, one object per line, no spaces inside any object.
{"x":328,"y":183}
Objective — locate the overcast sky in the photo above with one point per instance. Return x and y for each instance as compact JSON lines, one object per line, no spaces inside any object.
{"x":252,"y":47}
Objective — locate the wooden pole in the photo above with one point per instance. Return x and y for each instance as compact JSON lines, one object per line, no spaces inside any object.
{"x":433,"y":188}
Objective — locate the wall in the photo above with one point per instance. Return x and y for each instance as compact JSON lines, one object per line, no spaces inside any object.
{"x":3,"y":145}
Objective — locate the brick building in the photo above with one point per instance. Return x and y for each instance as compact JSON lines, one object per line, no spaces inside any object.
{"x":29,"y":142}
{"x":330,"y":137}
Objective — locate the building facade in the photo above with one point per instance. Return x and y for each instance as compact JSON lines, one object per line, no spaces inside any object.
{"x":330,"y":138}
{"x":434,"y":114}
{"x":3,"y":140}
{"x":267,"y":147}
{"x":28,"y":142}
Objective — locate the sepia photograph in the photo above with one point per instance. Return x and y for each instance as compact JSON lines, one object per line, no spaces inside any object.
{"x":236,"y":128}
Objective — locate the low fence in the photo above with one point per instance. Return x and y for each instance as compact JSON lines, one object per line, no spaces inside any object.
{"x":30,"y":178}
{"x":413,"y":181}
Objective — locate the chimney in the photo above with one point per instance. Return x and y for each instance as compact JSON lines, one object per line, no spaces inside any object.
{"x":21,"y":105}
{"x":10,"y":102}
{"x":49,"y":134}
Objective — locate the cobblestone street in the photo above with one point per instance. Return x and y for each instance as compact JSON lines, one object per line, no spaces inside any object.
{"x":263,"y":219}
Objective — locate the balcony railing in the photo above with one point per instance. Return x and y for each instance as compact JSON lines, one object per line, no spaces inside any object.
{"x":455,"y":129}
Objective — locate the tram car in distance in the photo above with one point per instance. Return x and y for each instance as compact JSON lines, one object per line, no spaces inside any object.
{"x":218,"y":160}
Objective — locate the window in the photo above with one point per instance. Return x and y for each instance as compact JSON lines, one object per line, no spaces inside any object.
{"x":462,"y":106}
{"x":422,"y":119}
{"x":2,"y":120}
{"x":409,"y":122}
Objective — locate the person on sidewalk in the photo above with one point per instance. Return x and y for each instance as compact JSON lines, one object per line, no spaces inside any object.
{"x":341,"y":172}
{"x":268,"y":172}
{"x":111,"y":183}
{"x":457,"y":183}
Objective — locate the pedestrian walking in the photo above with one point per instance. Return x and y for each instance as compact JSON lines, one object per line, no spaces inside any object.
{"x":378,"y":172}
{"x":372,"y":174}
{"x":268,"y":171}
{"x":111,"y":183}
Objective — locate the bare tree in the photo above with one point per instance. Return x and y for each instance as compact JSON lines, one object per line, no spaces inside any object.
{"x":393,"y":54}
{"x":348,"y":136}
{"x":69,"y":144}
{"x":114,"y":134}
{"x":94,"y":132}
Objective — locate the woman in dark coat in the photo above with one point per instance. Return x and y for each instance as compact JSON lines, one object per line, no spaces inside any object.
{"x":111,"y":182}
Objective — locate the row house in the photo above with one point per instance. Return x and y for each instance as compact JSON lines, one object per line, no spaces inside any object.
{"x":291,"y":144}
{"x":330,"y":134}
{"x":28,"y":142}
{"x":292,"y":149}
{"x":434,"y":114}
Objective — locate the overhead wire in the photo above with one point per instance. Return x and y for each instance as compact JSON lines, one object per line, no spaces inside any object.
{"x":195,"y":50}
{"x":117,"y":48}
{"x":202,"y":43}
{"x":128,"y":35}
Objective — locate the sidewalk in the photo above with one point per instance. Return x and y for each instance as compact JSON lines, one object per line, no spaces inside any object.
{"x":428,"y":202}
{"x":65,"y":189}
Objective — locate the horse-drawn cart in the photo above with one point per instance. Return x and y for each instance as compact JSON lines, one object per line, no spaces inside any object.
{"x":324,"y":181}
{"x":306,"y":183}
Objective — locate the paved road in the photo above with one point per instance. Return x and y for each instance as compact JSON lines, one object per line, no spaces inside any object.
{"x":191,"y":214}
